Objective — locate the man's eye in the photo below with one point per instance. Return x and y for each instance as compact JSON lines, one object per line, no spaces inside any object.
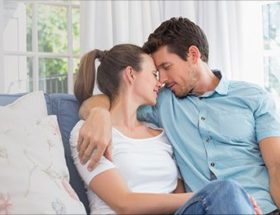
{"x":166,"y":67}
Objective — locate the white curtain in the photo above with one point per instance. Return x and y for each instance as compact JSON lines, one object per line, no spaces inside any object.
{"x":2,"y":78}
{"x":233,"y":28}
{"x":234,"y":31}
{"x":106,"y":23}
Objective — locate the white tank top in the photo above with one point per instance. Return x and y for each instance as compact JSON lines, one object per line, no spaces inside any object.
{"x":147,"y":165}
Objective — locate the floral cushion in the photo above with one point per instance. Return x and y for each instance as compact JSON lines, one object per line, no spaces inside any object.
{"x":34,"y":176}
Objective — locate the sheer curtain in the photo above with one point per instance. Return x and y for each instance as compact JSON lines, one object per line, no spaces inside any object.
{"x":106,"y":23}
{"x":2,"y":78}
{"x":233,"y":28}
{"x":234,"y":31}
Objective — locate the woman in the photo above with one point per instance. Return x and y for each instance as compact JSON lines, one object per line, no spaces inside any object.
{"x":142,"y":177}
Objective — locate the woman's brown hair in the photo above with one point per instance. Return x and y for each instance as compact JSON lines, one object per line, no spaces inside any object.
{"x":112,"y":62}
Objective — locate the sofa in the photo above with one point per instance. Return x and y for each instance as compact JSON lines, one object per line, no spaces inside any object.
{"x":65,"y":107}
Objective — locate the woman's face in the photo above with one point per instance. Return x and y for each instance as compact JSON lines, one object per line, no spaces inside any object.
{"x":147,"y":83}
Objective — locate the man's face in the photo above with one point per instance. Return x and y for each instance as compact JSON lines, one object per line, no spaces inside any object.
{"x":179,"y":75}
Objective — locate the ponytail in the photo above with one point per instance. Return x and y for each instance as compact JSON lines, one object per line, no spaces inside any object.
{"x":85,"y":79}
{"x":112,"y":63}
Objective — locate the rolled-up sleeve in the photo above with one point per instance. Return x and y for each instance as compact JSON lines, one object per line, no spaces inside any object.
{"x":267,"y":118}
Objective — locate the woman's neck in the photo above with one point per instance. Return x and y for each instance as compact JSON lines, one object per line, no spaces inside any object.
{"x":124,"y":113}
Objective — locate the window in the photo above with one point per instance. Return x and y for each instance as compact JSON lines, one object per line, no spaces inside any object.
{"x":41,"y":46}
{"x":271,"y":36}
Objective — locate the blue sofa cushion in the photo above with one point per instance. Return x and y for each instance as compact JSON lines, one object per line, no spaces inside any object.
{"x":66,"y":108}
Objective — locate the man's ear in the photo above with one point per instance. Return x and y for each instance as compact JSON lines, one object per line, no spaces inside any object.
{"x":193,"y":54}
{"x":129,"y":74}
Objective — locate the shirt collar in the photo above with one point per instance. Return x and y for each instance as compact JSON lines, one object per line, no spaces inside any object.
{"x":222,"y":87}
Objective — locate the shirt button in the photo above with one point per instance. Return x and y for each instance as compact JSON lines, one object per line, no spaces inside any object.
{"x":208,"y":140}
{"x":202,"y":118}
{"x":212,"y":164}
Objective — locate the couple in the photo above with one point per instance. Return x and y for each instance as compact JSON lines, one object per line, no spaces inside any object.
{"x":207,"y":141}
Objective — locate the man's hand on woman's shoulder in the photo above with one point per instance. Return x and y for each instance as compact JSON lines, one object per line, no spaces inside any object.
{"x":95,"y":137}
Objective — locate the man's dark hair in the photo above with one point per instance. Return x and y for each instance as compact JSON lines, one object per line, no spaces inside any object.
{"x":178,"y":34}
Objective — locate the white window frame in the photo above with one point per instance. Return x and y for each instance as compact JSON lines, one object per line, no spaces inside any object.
{"x":36,"y":55}
{"x":271,"y":53}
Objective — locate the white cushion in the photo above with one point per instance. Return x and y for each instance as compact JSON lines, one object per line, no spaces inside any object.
{"x":34,"y":178}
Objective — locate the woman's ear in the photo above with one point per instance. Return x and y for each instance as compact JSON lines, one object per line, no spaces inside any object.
{"x":193,"y":54}
{"x":129,"y":74}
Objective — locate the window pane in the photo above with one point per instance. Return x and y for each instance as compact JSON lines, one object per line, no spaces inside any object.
{"x":76,"y":2}
{"x":14,"y":34}
{"x":29,"y":27}
{"x":52,"y":28}
{"x":271,"y":25}
{"x":18,"y":74}
{"x":272,"y":74}
{"x":53,"y":75}
{"x":76,"y":63}
{"x":76,"y":30}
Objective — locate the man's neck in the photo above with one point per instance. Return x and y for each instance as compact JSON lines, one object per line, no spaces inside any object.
{"x":208,"y":81}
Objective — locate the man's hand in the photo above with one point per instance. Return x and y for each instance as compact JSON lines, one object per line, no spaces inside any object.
{"x":95,"y":137}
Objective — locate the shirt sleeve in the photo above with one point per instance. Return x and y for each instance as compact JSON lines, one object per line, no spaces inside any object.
{"x":148,"y":114}
{"x":267,"y":117}
{"x":103,"y":165}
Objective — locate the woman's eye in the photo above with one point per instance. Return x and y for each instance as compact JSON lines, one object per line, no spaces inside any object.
{"x":156,"y":74}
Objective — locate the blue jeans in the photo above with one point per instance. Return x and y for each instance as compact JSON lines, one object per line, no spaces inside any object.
{"x":218,"y":197}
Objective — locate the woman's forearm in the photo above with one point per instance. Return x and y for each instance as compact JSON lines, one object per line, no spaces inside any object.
{"x":147,"y":203}
{"x":113,"y":190}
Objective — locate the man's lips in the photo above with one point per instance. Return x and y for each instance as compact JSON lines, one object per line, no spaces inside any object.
{"x":170,"y":86}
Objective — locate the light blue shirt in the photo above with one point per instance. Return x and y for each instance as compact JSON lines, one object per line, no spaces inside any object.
{"x":217,"y":135}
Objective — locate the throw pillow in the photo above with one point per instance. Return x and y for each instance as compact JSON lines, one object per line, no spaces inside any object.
{"x":34,"y":176}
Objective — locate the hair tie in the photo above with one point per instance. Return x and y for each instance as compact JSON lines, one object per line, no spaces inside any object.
{"x":103,"y":55}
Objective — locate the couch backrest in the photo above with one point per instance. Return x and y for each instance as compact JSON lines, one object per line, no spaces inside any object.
{"x":66,"y":108}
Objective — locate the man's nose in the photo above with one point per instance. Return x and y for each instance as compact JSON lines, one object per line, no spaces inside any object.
{"x":162,"y":77}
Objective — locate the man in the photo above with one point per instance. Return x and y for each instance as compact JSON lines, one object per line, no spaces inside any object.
{"x":219,"y":129}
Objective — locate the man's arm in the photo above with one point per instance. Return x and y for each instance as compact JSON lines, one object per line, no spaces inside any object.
{"x":99,"y":101}
{"x":96,"y":133}
{"x":270,"y":149}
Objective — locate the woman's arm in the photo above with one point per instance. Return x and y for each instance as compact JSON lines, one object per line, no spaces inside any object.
{"x":112,"y":189}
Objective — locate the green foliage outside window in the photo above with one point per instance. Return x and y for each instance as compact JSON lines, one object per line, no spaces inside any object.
{"x":52,"y":38}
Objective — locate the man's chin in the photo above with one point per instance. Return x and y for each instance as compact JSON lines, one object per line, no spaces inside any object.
{"x":181,"y":94}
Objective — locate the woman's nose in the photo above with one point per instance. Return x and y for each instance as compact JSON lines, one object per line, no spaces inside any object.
{"x":160,"y":85}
